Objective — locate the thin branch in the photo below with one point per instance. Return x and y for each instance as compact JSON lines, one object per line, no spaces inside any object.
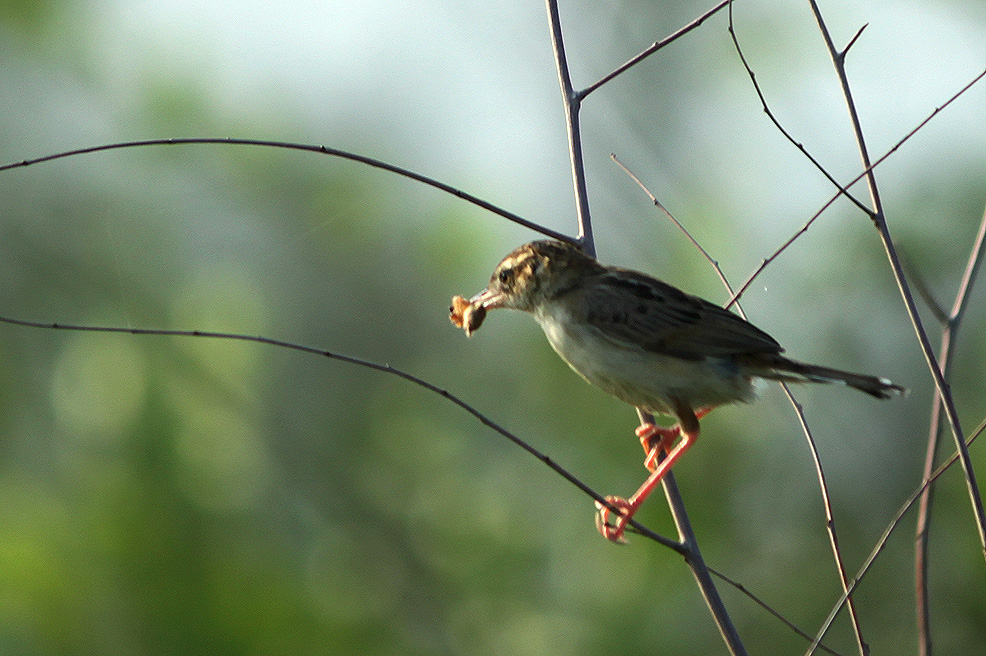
{"x":879,"y":220}
{"x":324,"y":150}
{"x":759,"y":602}
{"x":654,"y":47}
{"x":773,"y":119}
{"x":963,"y":296}
{"x":763,"y":265}
{"x":929,"y":298}
{"x":572,"y":103}
{"x":945,"y":351}
{"x":829,"y":519}
{"x":736,"y":296}
{"x":682,"y":228}
{"x":881,"y":543}
{"x":684,"y":550}
{"x":384,"y":368}
{"x":859,"y":33}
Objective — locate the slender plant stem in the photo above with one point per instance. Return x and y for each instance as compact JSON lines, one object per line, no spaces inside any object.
{"x":693,"y":556}
{"x":654,"y":47}
{"x":879,"y":219}
{"x":826,"y":501}
{"x":763,"y":265}
{"x":945,"y":352}
{"x":324,"y":150}
{"x":773,"y":118}
{"x":829,"y":520}
{"x":882,"y":542}
{"x":573,"y":104}
{"x":638,"y":528}
{"x":384,"y":368}
{"x":759,"y":602}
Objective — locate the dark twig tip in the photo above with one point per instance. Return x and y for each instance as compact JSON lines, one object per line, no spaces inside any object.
{"x":845,"y":51}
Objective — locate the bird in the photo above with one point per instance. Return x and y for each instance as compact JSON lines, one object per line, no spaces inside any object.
{"x":647,"y":343}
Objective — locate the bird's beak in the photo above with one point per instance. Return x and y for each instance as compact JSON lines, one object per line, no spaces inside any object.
{"x":488,"y":300}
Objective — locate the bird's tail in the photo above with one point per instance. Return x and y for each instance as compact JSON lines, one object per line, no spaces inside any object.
{"x":781,"y":368}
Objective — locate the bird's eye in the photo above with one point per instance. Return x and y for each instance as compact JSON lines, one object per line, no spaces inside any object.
{"x":505,"y":276}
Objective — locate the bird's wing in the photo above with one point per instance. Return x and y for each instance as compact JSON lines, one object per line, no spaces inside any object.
{"x":641,"y":312}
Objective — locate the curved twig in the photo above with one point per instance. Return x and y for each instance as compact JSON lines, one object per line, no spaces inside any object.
{"x":829,"y":517}
{"x":946,"y":350}
{"x":654,"y":47}
{"x":881,"y":543}
{"x":826,"y":499}
{"x":573,"y":102}
{"x":773,"y":119}
{"x":324,"y":150}
{"x":879,"y":220}
{"x":384,"y":368}
{"x":760,"y":602}
{"x":763,"y":265}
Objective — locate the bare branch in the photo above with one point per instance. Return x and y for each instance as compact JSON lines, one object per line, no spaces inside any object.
{"x":324,"y":150}
{"x":879,"y":220}
{"x":773,"y":119}
{"x":829,"y":517}
{"x":882,"y":542}
{"x":945,"y":352}
{"x":918,"y":282}
{"x":859,"y":177}
{"x":845,"y":51}
{"x":654,"y":47}
{"x":759,"y":602}
{"x":688,"y":235}
{"x":384,"y":368}
{"x":826,"y":499}
{"x":572,"y":103}
{"x":694,"y":558}
{"x":969,"y":277}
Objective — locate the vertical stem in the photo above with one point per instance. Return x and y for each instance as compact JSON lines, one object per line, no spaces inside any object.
{"x":573,"y":102}
{"x":937,"y":373}
{"x":829,"y":518}
{"x":879,"y":219}
{"x":945,"y":353}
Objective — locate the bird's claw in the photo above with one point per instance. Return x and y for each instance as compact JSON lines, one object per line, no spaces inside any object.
{"x":613,"y":532}
{"x":654,"y":439}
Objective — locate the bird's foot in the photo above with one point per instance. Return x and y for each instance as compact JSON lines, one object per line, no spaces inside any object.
{"x":614,"y":532}
{"x":654,"y":438}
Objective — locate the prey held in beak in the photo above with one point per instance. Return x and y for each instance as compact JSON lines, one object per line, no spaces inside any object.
{"x":468,"y":315}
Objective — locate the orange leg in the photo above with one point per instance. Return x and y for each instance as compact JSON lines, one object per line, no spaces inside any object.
{"x":647,"y":433}
{"x":656,"y":439}
{"x":688,"y":429}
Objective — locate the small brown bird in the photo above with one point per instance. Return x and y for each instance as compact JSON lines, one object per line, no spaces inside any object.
{"x":646,"y":343}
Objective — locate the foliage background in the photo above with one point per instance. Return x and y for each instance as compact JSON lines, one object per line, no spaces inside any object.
{"x":189,"y":496}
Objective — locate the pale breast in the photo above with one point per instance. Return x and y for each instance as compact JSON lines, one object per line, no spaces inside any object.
{"x":641,"y":378}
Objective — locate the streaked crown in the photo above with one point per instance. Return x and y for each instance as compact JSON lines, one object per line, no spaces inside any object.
{"x":539,"y":271}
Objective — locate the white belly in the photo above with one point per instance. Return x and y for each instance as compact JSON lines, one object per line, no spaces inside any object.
{"x":641,"y":378}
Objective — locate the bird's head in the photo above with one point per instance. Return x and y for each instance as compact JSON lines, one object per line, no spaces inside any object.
{"x":533,"y":274}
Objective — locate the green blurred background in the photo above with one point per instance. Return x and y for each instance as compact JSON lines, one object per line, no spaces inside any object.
{"x":166,"y":495}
